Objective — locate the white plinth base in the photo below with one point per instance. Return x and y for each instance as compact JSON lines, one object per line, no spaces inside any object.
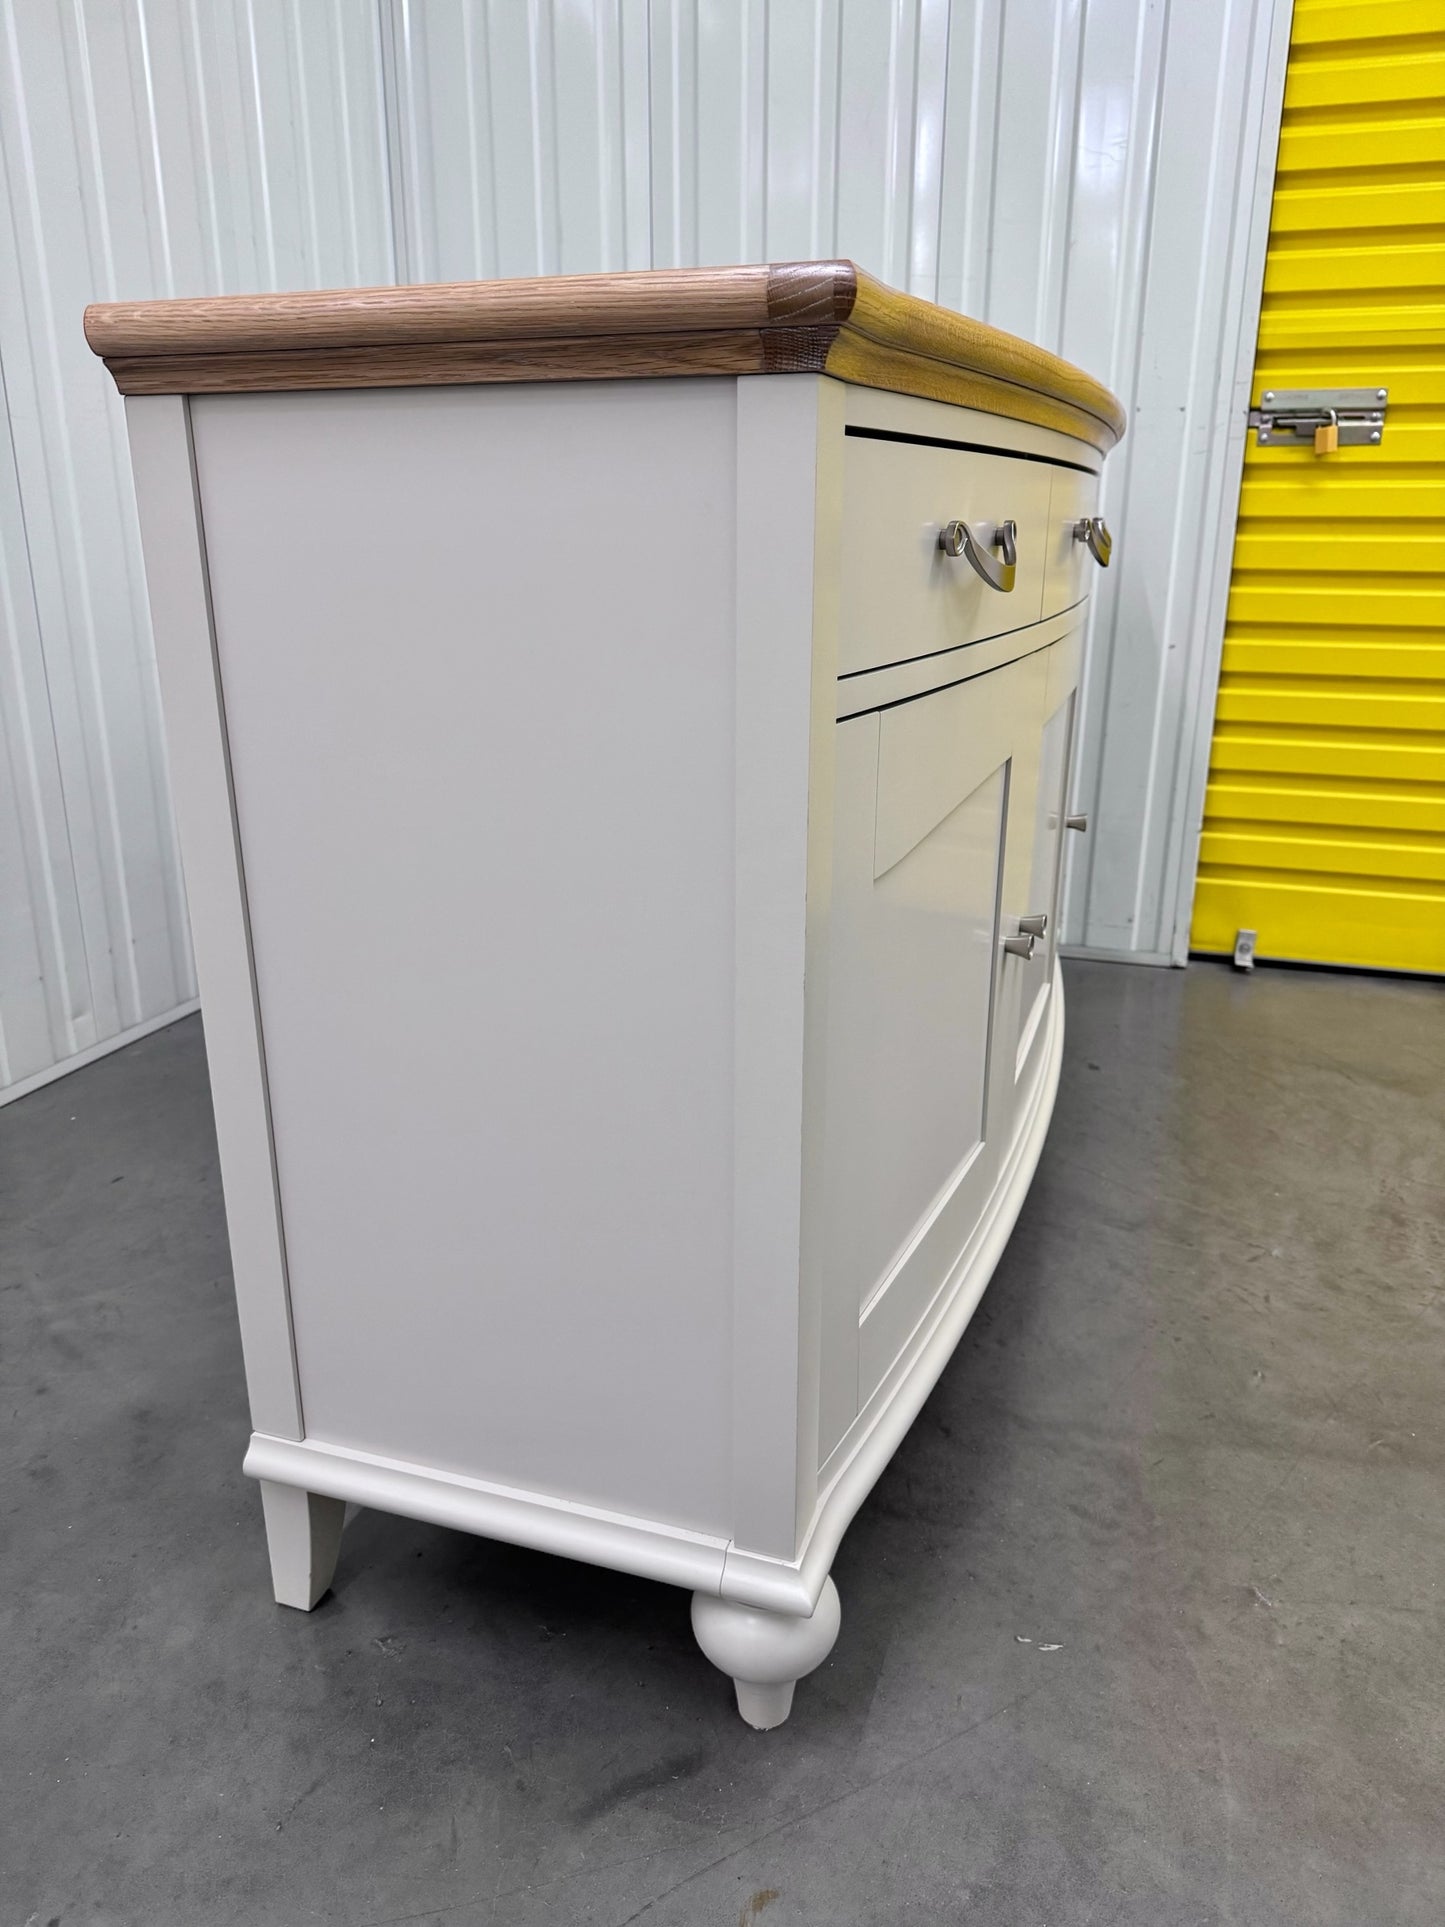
{"x":765,"y":1653}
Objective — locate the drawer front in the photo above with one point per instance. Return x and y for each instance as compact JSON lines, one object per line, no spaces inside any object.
{"x":1069,"y":569}
{"x":902,"y":596}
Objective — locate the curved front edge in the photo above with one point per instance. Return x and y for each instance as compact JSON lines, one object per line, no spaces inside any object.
{"x":794,"y":1587}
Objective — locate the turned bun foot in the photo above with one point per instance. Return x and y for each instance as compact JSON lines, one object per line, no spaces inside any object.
{"x":765,"y":1653}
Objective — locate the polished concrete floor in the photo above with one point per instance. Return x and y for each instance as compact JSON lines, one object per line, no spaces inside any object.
{"x":1144,"y":1627}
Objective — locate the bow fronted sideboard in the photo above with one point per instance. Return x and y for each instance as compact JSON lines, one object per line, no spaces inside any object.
{"x":620,"y":728}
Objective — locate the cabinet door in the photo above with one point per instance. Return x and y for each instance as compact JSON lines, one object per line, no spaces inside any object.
{"x":926,"y":793}
{"x":1033,"y":977}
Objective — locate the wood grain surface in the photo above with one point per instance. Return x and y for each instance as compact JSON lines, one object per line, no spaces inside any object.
{"x":823,"y":317}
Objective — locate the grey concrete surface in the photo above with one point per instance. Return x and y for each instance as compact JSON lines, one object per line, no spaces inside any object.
{"x":1190,"y":1452}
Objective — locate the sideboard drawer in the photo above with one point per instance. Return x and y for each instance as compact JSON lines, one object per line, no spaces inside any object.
{"x":902,"y":596}
{"x":1069,"y":568}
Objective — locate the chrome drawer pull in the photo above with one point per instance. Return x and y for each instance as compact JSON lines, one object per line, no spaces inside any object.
{"x":958,"y":539}
{"x":1019,"y":946}
{"x":1093,"y":531}
{"x":1079,"y":822}
{"x":1034,"y":926}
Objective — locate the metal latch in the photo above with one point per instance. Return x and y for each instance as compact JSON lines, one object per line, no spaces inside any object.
{"x":1321,"y":418}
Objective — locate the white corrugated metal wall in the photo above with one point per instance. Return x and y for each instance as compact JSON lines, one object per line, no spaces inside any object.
{"x":1083,"y":172}
{"x":146,"y":147}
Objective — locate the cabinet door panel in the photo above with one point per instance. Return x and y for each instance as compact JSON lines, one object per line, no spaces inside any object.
{"x":935,"y":751}
{"x":925,"y":795}
{"x":1057,"y":697}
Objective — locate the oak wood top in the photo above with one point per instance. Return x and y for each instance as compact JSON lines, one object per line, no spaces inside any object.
{"x":824,"y":317}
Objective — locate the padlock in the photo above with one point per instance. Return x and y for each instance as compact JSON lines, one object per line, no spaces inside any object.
{"x":1327,"y":435}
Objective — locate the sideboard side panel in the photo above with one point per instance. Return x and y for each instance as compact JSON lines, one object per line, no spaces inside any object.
{"x":173,"y":542}
{"x":476,"y":645}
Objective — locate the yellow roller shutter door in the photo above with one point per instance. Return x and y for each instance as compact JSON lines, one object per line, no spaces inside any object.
{"x":1324,"y":821}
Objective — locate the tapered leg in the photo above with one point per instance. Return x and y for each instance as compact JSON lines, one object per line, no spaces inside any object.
{"x":303,"y":1535}
{"x":766,"y":1653}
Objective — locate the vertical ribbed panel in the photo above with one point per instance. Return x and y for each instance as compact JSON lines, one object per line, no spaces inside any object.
{"x":1324,"y":825}
{"x":1177,"y":123}
{"x":151,"y":148}
{"x":1078,"y":171}
{"x":520,"y":136}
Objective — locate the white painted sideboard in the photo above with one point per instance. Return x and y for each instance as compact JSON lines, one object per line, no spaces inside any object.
{"x":623,"y":845}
